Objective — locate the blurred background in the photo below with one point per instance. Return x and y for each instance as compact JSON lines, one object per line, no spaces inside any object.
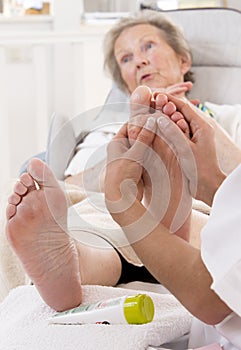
{"x":51,"y":61}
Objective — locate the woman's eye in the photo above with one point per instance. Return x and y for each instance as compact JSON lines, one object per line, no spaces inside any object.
{"x":149,"y":45}
{"x":125,"y":59}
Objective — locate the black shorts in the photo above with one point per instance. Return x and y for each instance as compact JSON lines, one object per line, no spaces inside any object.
{"x":131,"y":273}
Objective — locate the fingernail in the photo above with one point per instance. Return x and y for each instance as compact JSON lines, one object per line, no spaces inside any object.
{"x":163,"y":122}
{"x":150,"y":124}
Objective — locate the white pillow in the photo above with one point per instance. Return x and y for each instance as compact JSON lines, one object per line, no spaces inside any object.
{"x":229,"y":117}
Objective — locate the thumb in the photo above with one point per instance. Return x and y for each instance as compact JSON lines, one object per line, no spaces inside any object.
{"x":182,"y":147}
{"x":144,"y":140}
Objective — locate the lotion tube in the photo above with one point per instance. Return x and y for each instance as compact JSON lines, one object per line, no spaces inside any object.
{"x":137,"y":309}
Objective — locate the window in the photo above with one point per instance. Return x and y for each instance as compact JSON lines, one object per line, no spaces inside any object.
{"x":25,"y":7}
{"x":174,"y":4}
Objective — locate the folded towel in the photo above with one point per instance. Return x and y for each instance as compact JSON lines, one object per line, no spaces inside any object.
{"x":89,"y":219}
{"x":24,"y":323}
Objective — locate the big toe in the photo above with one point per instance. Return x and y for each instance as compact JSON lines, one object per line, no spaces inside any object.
{"x":41,"y":173}
{"x":140,"y":100}
{"x":54,"y":196}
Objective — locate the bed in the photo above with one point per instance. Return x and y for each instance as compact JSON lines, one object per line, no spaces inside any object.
{"x":214,"y":36}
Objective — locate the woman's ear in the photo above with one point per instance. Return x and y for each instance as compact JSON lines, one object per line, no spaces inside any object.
{"x":186,"y":63}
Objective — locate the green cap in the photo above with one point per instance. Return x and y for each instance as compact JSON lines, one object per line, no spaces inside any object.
{"x":138,"y":309}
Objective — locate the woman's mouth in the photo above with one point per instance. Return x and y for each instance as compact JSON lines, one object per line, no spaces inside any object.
{"x":146,"y":77}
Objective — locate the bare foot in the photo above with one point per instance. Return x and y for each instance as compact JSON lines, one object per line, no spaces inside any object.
{"x":143,"y":102}
{"x":175,"y":201}
{"x":36,"y":229}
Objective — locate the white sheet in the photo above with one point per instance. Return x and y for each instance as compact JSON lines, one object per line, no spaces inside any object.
{"x":24,"y":325}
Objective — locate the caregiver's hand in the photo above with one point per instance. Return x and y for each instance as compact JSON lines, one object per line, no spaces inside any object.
{"x":197,"y":154}
{"x":125,"y":163}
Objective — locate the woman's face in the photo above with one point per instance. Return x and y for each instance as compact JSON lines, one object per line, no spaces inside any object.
{"x":144,"y":58}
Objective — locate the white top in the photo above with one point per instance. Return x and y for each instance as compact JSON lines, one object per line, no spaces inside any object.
{"x":92,"y":150}
{"x":221,"y":253}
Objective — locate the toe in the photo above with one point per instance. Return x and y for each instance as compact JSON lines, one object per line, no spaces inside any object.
{"x":161,"y":101}
{"x":140,"y":101}
{"x":176,"y":116}
{"x":10,"y":211}
{"x":179,"y":119}
{"x":183,"y":125}
{"x":41,"y":173}
{"x":14,"y":199}
{"x":169,"y":108}
{"x":28,"y":181}
{"x":20,"y":189}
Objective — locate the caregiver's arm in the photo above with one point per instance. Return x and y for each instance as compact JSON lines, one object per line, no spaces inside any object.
{"x":177,"y":265}
{"x":174,"y":262}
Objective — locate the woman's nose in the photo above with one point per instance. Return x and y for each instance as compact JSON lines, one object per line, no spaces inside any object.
{"x":141,"y":61}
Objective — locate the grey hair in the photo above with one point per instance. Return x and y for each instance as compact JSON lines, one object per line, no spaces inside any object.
{"x":172,"y":34}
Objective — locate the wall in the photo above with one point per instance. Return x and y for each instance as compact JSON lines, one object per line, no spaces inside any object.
{"x":44,"y":69}
{"x":236,"y":4}
{"x":110,"y":5}
{"x":47,"y":64}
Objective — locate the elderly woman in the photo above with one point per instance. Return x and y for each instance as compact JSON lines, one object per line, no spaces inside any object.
{"x":148,"y":50}
{"x":151,"y":50}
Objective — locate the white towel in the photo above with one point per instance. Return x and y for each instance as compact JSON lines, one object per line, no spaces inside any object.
{"x":24,"y":325}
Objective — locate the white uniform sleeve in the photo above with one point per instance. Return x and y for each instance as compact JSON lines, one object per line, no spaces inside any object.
{"x":221,"y":242}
